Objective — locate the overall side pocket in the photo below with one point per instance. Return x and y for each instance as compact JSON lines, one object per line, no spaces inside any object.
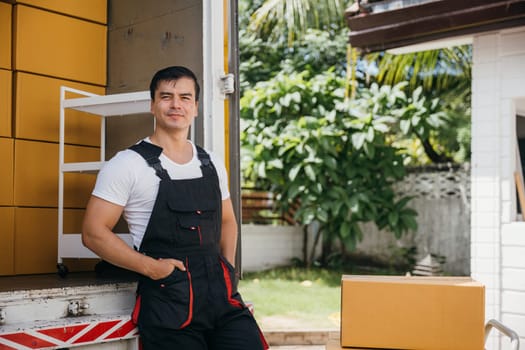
{"x":167,"y":302}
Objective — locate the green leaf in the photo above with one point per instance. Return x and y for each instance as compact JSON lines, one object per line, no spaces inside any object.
{"x":293,"y":191}
{"x":358,"y":139}
{"x":344,"y":229}
{"x":393,"y":218}
{"x":275,"y":163}
{"x":402,"y":202}
{"x":404,"y":125}
{"x":336,"y":208}
{"x":261,"y":169}
{"x":330,"y":162}
{"x":370,"y":135}
{"x":380,"y":127}
{"x":410,"y":222}
{"x":370,"y":150}
{"x":308,"y":169}
{"x":322,"y":215}
{"x":308,"y":215}
{"x":292,"y":174}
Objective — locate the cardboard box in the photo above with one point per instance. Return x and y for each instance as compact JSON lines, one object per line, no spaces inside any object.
{"x":94,"y":10}
{"x":5,"y":102}
{"x":36,"y":175}
{"x":59,"y":46}
{"x":5,"y":35}
{"x":36,"y":242}
{"x":7,"y":240}
{"x":37,"y":112}
{"x":6,"y":172}
{"x":430,"y":313}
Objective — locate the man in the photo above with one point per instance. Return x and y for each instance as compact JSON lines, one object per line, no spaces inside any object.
{"x":175,"y":199}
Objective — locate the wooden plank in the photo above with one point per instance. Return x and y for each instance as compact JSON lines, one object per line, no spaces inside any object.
{"x":521,"y":191}
{"x":518,"y":178}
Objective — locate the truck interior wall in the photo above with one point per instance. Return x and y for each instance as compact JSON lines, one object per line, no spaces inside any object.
{"x":143,"y":38}
{"x":43,"y":44}
{"x":112,"y":47}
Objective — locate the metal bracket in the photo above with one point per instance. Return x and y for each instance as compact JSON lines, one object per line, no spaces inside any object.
{"x":227,"y":84}
{"x":77,"y":308}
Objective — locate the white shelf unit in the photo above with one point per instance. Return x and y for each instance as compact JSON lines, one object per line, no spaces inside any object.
{"x":70,"y":244}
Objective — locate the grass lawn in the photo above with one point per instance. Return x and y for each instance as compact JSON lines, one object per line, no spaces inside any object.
{"x":300,"y":298}
{"x":294,"y":298}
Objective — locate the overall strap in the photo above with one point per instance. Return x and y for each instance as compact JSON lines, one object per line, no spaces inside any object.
{"x":207,"y":166}
{"x":151,"y":153}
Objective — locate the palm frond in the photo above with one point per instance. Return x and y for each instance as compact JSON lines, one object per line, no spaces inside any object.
{"x":292,"y":18}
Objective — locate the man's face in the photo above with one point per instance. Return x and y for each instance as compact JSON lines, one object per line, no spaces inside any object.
{"x":174,"y":105}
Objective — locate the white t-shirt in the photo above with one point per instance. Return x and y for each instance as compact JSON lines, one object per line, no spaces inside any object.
{"x":127,"y":180}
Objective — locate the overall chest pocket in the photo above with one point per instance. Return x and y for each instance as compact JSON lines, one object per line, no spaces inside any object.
{"x":193,"y":225}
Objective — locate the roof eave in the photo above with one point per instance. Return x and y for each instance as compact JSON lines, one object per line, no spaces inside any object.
{"x":431,"y":21}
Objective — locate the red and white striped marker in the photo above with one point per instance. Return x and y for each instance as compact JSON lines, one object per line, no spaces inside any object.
{"x":77,"y":334}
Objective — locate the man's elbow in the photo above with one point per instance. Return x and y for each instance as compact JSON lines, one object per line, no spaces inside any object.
{"x":85,"y":239}
{"x":87,"y":236}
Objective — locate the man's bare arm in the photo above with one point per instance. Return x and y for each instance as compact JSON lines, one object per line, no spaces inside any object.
{"x":229,"y":231}
{"x":97,"y":235}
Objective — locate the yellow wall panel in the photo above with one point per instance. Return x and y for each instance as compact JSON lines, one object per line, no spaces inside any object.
{"x":6,"y":172}
{"x":37,"y":111}
{"x":7,"y":240}
{"x":59,"y":46}
{"x":73,"y":220}
{"x":5,"y":102}
{"x":95,"y":10}
{"x":36,"y":175}
{"x":36,"y":240}
{"x":5,"y":35}
{"x":78,"y":187}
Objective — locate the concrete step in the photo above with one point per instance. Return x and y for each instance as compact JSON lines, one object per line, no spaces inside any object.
{"x":282,"y":338}
{"x":298,"y":347}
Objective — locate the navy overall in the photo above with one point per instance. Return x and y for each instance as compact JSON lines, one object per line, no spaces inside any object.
{"x":199,"y":308}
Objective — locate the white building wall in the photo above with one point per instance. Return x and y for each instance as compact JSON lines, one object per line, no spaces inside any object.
{"x":267,"y":246}
{"x":497,"y":258}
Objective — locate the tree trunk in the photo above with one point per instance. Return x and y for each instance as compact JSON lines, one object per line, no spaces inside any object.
{"x":305,"y":246}
{"x":314,"y":245}
{"x":432,"y":154}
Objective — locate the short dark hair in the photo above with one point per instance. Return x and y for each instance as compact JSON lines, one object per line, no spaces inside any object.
{"x":173,"y":73}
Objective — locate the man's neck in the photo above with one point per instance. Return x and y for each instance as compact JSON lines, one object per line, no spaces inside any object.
{"x":175,"y":146}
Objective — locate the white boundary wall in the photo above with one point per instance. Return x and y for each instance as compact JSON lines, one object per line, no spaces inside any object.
{"x":497,"y":240}
{"x":442,"y":201}
{"x":267,"y":246}
{"x":441,"y":198}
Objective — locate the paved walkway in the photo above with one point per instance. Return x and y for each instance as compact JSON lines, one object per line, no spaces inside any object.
{"x":298,"y":347}
{"x":298,"y":339}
